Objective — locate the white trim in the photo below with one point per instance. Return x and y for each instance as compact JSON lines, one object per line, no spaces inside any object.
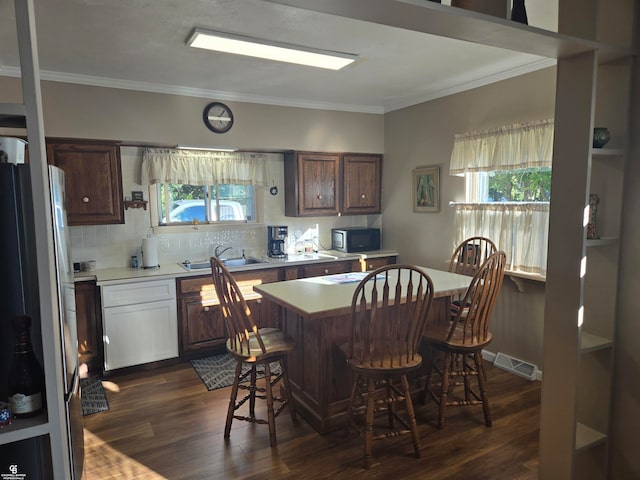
{"x":441,"y":90}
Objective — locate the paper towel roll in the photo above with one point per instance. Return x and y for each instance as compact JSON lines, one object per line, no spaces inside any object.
{"x":150,"y":252}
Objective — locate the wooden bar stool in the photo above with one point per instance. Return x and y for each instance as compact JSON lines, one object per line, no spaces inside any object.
{"x":388,"y":312}
{"x":252,"y":346}
{"x":455,"y":348}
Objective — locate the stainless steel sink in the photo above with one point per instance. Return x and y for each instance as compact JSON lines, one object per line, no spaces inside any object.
{"x":240,"y":261}
{"x":198,"y":265}
{"x":229,"y":262}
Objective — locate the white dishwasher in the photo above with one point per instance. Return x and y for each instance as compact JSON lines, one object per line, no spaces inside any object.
{"x":140,"y":322}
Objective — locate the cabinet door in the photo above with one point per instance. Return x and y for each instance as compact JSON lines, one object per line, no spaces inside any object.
{"x":202,"y":325}
{"x":312,"y":182}
{"x":93,"y":181}
{"x":361,"y":184}
{"x":89,"y":328}
{"x":137,"y":334}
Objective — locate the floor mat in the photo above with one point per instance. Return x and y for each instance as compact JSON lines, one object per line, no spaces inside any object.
{"x":94,"y":399}
{"x":217,"y":371}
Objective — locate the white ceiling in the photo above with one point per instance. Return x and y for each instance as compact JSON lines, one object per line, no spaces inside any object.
{"x":140,"y":45}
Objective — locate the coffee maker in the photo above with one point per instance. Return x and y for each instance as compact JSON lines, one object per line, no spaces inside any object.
{"x":277,"y":240}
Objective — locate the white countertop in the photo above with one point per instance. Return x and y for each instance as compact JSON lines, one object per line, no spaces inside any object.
{"x":318,"y":297}
{"x":109,"y":276}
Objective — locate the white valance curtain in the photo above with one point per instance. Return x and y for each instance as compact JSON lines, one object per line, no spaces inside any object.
{"x":510,"y":147}
{"x":520,"y":229}
{"x":201,"y":167}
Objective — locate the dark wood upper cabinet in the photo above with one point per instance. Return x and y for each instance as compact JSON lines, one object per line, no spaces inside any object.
{"x":312,"y":183}
{"x":361,"y":183}
{"x":323,"y":184}
{"x":93,"y":181}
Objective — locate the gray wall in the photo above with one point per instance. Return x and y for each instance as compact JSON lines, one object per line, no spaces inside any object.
{"x":423,"y":135}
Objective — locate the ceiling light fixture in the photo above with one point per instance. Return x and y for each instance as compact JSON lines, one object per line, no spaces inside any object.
{"x":281,"y":52}
{"x":208,"y":149}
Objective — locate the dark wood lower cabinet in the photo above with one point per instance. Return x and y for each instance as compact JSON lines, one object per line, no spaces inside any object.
{"x":201,"y":325}
{"x":89,"y":326}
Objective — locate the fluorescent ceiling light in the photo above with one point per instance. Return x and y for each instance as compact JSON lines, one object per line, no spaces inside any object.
{"x":281,"y":52}
{"x":208,"y":149}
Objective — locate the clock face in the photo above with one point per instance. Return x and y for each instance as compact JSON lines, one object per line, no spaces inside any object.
{"x":218,"y":117}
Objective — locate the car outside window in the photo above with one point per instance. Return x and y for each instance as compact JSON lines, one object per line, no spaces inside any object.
{"x":179,"y":204}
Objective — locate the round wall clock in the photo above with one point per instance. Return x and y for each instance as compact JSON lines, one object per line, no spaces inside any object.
{"x":218,"y":117}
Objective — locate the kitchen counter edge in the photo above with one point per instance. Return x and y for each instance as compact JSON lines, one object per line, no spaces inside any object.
{"x":113,"y":276}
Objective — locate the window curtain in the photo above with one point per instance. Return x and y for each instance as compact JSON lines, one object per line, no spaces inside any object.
{"x":200,"y":167}
{"x":521,"y":230}
{"x":510,"y":147}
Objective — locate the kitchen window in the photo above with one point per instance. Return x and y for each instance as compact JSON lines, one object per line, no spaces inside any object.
{"x":195,"y":204}
{"x":196,"y":186}
{"x":508,"y":181}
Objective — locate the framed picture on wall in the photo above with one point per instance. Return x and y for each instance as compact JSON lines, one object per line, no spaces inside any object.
{"x":426,"y":189}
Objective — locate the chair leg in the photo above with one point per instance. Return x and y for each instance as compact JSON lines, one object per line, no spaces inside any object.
{"x":352,"y":403}
{"x":253,"y":386}
{"x":482,"y":384}
{"x":368,"y":437}
{"x":284,"y":366}
{"x":232,"y":400}
{"x":425,"y":393}
{"x":446,"y":366}
{"x":391,"y":404}
{"x":412,"y":416}
{"x":271,"y":419}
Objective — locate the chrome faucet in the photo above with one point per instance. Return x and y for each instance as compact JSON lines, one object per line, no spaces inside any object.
{"x":217,"y":251}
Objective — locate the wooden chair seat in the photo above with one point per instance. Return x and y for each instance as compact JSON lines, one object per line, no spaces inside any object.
{"x":255,"y":347}
{"x":455,"y":348}
{"x":275,"y":342}
{"x":389,"y":311}
{"x":458,"y":341}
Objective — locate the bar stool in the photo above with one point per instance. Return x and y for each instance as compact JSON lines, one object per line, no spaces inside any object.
{"x":252,"y":346}
{"x":388,"y":313}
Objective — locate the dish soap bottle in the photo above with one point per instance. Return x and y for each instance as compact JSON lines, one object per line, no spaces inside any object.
{"x":26,"y":377}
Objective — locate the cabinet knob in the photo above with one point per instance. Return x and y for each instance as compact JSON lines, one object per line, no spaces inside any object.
{"x":326,"y":270}
{"x":371,"y":267}
{"x":363,"y":196}
{"x":85,"y":199}
{"x":206,"y":309}
{"x":259,"y":300}
{"x":319,"y":197}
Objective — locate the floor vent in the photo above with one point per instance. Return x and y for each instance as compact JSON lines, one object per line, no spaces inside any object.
{"x":513,"y":365}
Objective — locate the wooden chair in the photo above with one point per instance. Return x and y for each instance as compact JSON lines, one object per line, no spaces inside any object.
{"x":467,"y":259}
{"x":470,"y":255}
{"x":388,"y":312}
{"x":455,"y":347}
{"x":252,"y":346}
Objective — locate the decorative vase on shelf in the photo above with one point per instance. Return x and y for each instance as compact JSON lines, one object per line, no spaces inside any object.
{"x":601,"y":137}
{"x":519,"y":12}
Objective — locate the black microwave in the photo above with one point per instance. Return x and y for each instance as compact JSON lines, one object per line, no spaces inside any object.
{"x":355,"y":239}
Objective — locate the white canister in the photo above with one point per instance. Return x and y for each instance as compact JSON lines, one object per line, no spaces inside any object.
{"x":150,"y":252}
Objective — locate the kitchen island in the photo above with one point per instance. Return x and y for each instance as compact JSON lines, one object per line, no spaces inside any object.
{"x":316,"y":313}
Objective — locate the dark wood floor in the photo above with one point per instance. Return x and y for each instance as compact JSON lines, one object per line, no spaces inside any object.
{"x":164,"y":424}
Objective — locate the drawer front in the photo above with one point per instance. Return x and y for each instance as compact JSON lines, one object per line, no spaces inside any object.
{"x":138,"y":292}
{"x":325,"y":269}
{"x":203,"y":286}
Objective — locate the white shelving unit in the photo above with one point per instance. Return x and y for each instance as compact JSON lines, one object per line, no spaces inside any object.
{"x":28,"y":114}
{"x":582,"y":276}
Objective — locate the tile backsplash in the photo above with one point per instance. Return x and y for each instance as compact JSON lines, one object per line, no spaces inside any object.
{"x":113,"y":245}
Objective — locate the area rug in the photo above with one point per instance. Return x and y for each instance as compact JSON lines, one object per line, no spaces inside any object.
{"x":94,"y":399}
{"x":217,"y":371}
